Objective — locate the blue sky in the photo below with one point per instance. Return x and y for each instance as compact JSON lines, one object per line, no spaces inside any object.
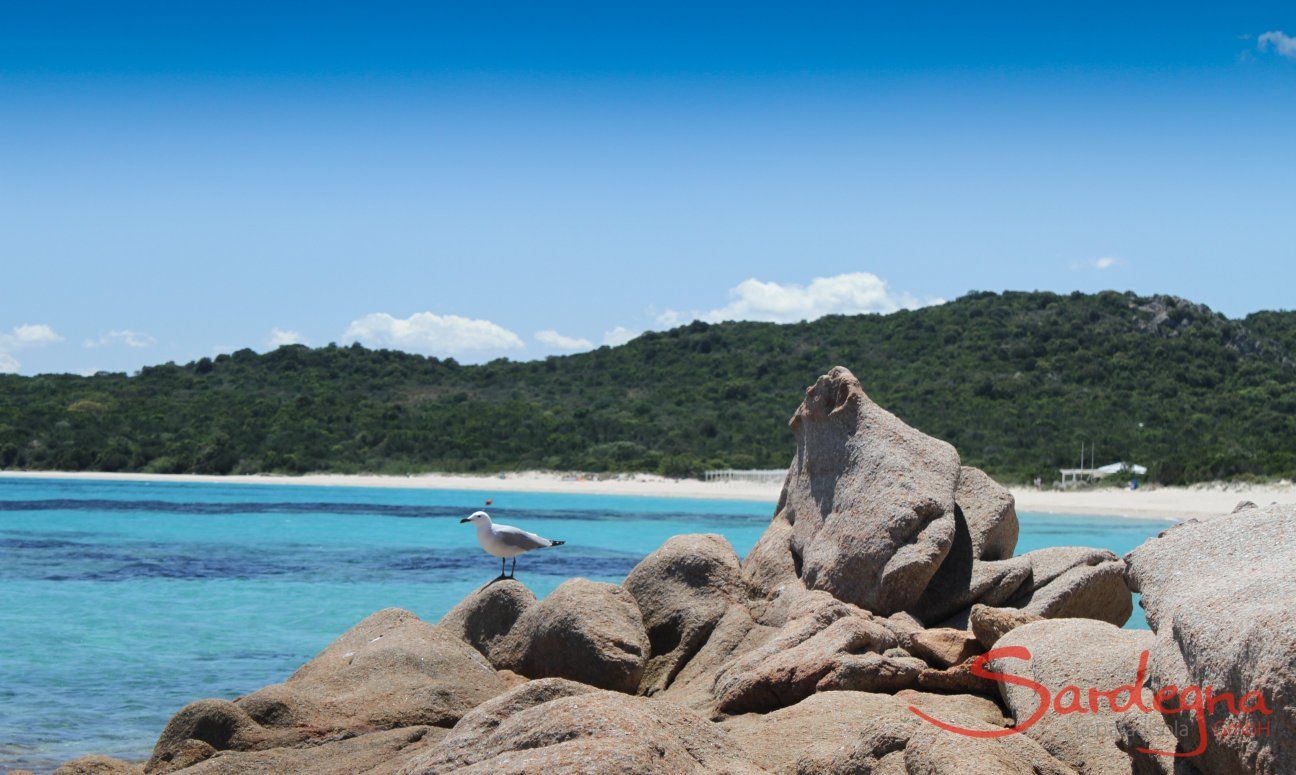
{"x":486,"y":179}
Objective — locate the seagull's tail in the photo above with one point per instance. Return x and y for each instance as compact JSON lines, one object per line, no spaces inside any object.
{"x":557,"y":543}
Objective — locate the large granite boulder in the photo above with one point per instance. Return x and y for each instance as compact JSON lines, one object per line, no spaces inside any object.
{"x":683,"y":590}
{"x":956,"y":678}
{"x":989,"y":624}
{"x":485,"y":718}
{"x":1061,"y":582}
{"x":486,"y":616}
{"x":944,"y":646}
{"x":963,"y":582}
{"x":979,"y":567}
{"x":738,"y":632}
{"x":903,"y":744}
{"x":931,"y":750}
{"x":202,"y":728}
{"x":1077,"y":582}
{"x":1220,"y":594}
{"x":867,"y":510}
{"x":990,"y":513}
{"x":816,"y":727}
{"x":596,"y":732}
{"x":584,"y":630}
{"x":95,"y":764}
{"x":1082,"y":653}
{"x":826,"y":646}
{"x":825,"y":724}
{"x":1142,"y":736}
{"x":390,"y":670}
{"x":377,"y":753}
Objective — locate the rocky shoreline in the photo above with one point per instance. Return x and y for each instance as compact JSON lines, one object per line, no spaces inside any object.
{"x":862,"y":634}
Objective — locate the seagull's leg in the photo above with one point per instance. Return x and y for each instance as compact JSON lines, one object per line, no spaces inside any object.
{"x":501,"y":567}
{"x":513,"y":568}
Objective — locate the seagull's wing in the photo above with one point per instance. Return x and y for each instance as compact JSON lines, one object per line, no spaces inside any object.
{"x":515,"y":538}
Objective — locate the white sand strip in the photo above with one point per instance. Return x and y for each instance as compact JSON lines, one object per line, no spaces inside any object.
{"x":1148,"y":502}
{"x":649,"y":485}
{"x":1205,"y":500}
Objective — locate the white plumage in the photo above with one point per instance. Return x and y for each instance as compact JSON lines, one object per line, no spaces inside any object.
{"x":505,"y":541}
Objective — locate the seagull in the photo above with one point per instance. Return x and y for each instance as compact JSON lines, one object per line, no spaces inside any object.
{"x":504,"y":541}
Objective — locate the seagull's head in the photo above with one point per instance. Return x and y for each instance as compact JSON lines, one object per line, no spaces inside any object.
{"x":478,"y":517}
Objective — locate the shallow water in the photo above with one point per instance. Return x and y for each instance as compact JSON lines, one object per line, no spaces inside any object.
{"x":123,"y":601}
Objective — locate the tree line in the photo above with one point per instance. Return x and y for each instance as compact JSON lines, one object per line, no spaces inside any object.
{"x":1016,"y":381}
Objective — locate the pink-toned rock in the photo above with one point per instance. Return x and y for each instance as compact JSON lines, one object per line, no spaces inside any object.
{"x":1082,"y":653}
{"x":990,"y":512}
{"x":829,"y":647}
{"x":201,"y":729}
{"x":485,"y":718}
{"x":944,"y":646}
{"x":487,"y":615}
{"x":903,"y":744}
{"x":377,"y":753}
{"x":94,"y":764}
{"x":819,"y":730}
{"x":1076,"y":582}
{"x":867,"y":511}
{"x":390,"y":670}
{"x":737,"y":633}
{"x":990,"y":624}
{"x":598,"y":732}
{"x":1219,"y":596}
{"x":979,"y":567}
{"x":963,"y":581}
{"x":584,"y":630}
{"x":958,"y":678}
{"x":683,"y":590}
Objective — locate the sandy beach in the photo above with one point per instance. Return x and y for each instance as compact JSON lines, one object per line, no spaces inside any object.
{"x":1202,"y":500}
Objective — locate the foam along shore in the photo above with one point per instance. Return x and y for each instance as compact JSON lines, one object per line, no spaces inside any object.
{"x":1148,"y":502}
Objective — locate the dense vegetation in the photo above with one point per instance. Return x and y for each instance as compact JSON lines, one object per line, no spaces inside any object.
{"x":1016,"y":381}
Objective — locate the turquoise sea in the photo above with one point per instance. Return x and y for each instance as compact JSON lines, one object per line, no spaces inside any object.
{"x":120,"y":602}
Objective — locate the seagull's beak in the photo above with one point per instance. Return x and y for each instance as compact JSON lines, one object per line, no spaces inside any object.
{"x":465,"y":519}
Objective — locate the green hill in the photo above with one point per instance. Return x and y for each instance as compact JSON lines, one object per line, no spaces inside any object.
{"x":1015,"y":380}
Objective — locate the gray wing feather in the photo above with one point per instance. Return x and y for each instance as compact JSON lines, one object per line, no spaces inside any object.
{"x":520,"y":539}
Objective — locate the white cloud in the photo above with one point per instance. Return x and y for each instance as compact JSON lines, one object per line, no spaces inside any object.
{"x":672,"y":317}
{"x":560,"y":342}
{"x":1101,"y":263}
{"x":127,"y":337}
{"x":431,"y":334}
{"x":844,"y":294}
{"x":26,"y":335}
{"x":619,"y":335}
{"x":29,"y":335}
{"x":1277,"y":41}
{"x":280,"y":337}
